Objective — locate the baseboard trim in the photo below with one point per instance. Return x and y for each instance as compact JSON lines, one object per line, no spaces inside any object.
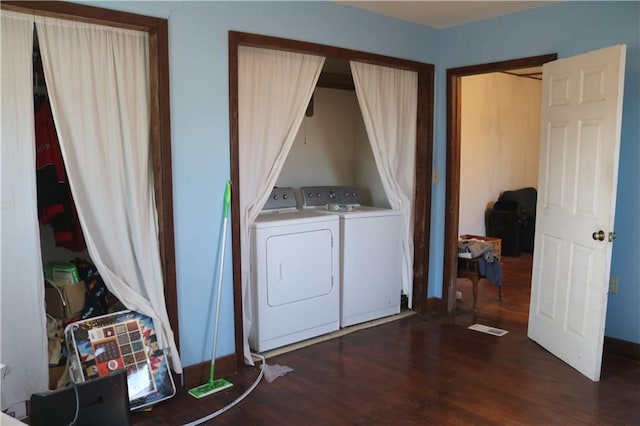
{"x":622,"y":348}
{"x":434,"y":306}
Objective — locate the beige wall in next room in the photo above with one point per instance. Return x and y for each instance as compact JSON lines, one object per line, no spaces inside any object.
{"x":499,"y":144}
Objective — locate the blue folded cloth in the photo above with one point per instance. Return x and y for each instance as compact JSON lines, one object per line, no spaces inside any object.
{"x":490,"y":270}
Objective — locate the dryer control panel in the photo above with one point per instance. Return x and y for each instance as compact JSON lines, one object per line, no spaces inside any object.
{"x":281,"y":198}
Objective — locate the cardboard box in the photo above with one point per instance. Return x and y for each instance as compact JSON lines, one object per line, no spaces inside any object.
{"x":64,"y":300}
{"x":55,"y":374}
{"x":495,"y":242}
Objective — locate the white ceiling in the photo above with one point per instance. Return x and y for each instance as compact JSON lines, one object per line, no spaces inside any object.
{"x":444,"y":14}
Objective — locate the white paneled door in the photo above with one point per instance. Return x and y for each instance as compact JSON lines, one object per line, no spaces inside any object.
{"x":580,"y":143}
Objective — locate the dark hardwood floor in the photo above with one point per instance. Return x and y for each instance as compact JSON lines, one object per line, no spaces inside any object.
{"x":427,"y":370}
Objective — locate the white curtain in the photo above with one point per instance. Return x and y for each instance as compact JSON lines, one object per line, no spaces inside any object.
{"x":388,"y":99}
{"x":21,"y":285}
{"x":98,"y":83}
{"x":274,"y":89}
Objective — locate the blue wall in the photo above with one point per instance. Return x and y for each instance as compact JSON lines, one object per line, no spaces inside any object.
{"x":198,"y":54}
{"x":200,"y":121}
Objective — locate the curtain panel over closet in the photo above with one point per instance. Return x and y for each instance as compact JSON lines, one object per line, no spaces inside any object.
{"x":274,"y":89}
{"x":23,"y":330}
{"x":388,"y":99}
{"x":98,"y":83}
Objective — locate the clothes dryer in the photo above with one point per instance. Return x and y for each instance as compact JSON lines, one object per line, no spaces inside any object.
{"x":370,"y":252}
{"x":294,"y":273}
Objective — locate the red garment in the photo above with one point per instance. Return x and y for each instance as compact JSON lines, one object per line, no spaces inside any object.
{"x":50,"y":173}
{"x":66,"y":227}
{"x":55,"y":203}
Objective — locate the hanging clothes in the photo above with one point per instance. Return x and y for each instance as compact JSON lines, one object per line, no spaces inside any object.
{"x":66,"y":226}
{"x":50,"y":172}
{"x":55,"y":202}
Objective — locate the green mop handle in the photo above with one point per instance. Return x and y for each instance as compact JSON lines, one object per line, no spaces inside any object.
{"x":227,"y":202}
{"x":227,"y":199}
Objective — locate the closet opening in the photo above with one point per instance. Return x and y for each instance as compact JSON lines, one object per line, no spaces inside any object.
{"x":73,"y":288}
{"x":422,"y":196}
{"x":153,"y":33}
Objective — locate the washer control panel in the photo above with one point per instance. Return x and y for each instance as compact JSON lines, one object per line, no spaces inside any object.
{"x":323,"y":196}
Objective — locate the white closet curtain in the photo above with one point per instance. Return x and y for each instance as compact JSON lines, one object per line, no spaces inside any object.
{"x":388,"y":99}
{"x":21,"y":284}
{"x":98,"y":83}
{"x":274,"y":89}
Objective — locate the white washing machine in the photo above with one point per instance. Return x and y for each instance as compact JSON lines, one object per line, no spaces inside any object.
{"x":294,"y":273}
{"x":370,"y":252}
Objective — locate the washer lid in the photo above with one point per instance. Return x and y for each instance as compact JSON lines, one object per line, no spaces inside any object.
{"x":360,"y":212}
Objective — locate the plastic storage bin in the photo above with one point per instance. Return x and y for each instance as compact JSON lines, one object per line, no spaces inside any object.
{"x":124,"y":340}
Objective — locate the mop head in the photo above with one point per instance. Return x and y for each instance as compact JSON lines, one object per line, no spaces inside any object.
{"x":209,"y":388}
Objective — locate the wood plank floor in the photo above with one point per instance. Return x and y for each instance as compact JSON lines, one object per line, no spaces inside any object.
{"x":424,"y":370}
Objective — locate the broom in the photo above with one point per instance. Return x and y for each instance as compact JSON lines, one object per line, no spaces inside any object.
{"x":213,"y":386}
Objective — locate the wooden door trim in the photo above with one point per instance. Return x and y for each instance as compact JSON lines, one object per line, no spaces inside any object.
{"x":452,"y":197}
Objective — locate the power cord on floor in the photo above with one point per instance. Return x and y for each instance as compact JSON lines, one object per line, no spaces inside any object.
{"x":75,"y":417}
{"x":236,"y":401}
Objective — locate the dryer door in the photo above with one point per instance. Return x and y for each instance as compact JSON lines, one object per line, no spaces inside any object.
{"x":299,"y":266}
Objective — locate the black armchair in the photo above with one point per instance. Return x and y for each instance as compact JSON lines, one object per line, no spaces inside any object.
{"x":513,"y":219}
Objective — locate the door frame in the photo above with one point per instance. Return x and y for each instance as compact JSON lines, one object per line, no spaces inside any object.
{"x":452,"y":200}
{"x":424,"y":150}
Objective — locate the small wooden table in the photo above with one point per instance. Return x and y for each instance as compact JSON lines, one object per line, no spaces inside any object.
{"x":469,"y":269}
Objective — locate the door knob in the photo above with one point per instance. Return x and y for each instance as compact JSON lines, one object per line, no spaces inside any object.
{"x":612,"y":236}
{"x":598,"y":236}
